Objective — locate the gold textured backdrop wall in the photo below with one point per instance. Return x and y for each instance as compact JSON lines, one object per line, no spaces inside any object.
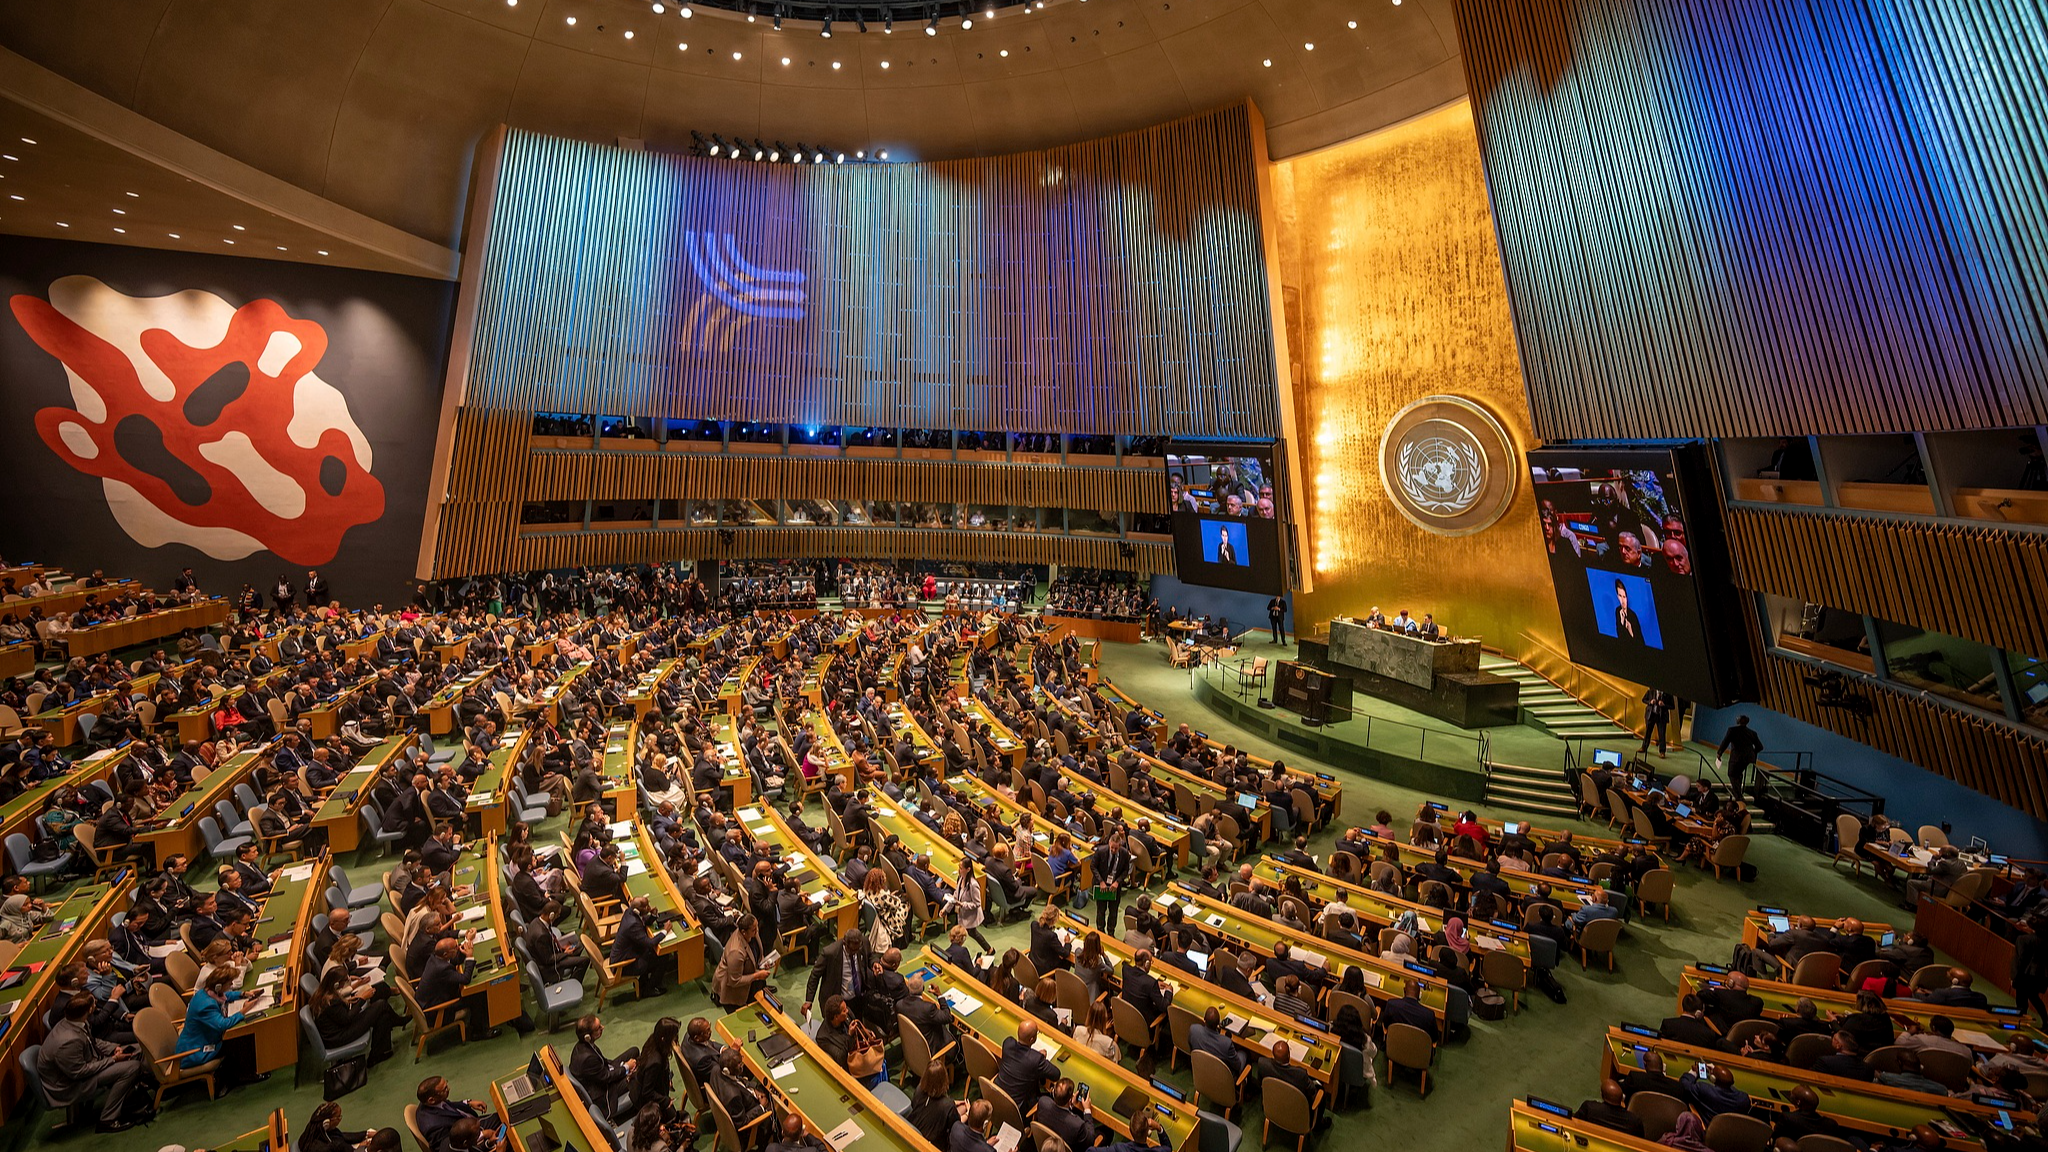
{"x":1394,"y":292}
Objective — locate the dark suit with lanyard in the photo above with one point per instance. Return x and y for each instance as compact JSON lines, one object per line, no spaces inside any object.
{"x":1112,"y":864}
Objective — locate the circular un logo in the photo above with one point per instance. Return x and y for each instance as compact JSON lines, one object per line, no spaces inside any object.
{"x":1448,"y":465}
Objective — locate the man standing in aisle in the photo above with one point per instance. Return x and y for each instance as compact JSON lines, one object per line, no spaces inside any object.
{"x":1276,"y":612}
{"x":1656,"y":718}
{"x":1738,"y":752}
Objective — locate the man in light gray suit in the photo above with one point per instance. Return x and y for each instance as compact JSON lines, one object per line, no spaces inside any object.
{"x":75,"y":1067}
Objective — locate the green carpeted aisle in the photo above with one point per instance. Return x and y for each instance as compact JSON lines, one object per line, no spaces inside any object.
{"x":1548,"y":1049}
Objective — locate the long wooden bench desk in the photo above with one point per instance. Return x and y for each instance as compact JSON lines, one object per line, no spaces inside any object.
{"x":1986,"y":1029}
{"x":1168,"y":830}
{"x":21,"y":813}
{"x":1384,"y":979}
{"x":989,"y":1020}
{"x":143,"y":629}
{"x":646,"y":874}
{"x":340,"y":814}
{"x":1325,"y":787}
{"x":176,"y":828}
{"x":1194,"y":795}
{"x":836,"y":903}
{"x":642,"y":697}
{"x":1381,"y":910}
{"x":284,"y":924}
{"x":813,"y":1085}
{"x":1867,"y":1107}
{"x":1760,"y":924}
{"x":1251,"y":1026}
{"x":616,"y":765}
{"x":482,"y":908}
{"x":488,"y":796}
{"x":1567,"y":894}
{"x":565,"y":1115}
{"x":84,"y":915}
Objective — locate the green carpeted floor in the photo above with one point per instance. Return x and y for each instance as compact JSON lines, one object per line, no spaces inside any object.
{"x":1548,"y":1049}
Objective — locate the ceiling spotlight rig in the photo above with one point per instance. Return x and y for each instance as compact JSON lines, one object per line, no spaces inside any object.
{"x":719,"y":147}
{"x":833,"y":15}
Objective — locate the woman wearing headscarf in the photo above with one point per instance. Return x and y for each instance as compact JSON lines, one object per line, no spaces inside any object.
{"x":20,"y":916}
{"x":1401,"y":950}
{"x":1455,"y":938}
{"x":1688,"y":1134}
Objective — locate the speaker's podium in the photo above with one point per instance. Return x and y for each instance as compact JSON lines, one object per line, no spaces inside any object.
{"x":1436,"y":678}
{"x":1312,"y":692}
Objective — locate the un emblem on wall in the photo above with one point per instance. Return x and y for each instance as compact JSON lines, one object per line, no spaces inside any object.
{"x":1448,"y":465}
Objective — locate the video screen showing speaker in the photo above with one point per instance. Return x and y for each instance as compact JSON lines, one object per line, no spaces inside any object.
{"x":1226,"y":531}
{"x":1621,"y":536}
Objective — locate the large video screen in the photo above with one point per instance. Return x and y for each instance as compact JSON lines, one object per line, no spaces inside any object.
{"x":1620,"y":538}
{"x":1226,"y":530}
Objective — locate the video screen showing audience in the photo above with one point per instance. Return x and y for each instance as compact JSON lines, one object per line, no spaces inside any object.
{"x":1219,"y":485}
{"x":1614,"y":528}
{"x":1226,"y":523}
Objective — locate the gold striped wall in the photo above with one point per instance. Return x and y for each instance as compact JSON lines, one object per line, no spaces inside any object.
{"x":1985,"y":584}
{"x":1759,"y":218}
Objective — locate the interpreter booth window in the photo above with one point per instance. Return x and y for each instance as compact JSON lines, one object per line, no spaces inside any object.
{"x":553,"y":512}
{"x":984,"y":516}
{"x":1083,"y":522}
{"x":701,"y":513}
{"x":697,"y":431}
{"x":622,"y":513}
{"x":1816,"y":630}
{"x":2029,"y":687}
{"x":930,"y":515}
{"x":1945,"y":665}
{"x":563,"y":424}
{"x":625,"y":428}
{"x":810,"y":513}
{"x":871,"y":438}
{"x":755,"y":434}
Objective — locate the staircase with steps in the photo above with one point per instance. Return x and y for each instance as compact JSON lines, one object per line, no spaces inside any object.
{"x":1544,"y":705}
{"x":1547,"y":708}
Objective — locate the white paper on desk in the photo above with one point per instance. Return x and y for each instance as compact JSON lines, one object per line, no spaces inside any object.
{"x":102,"y":754}
{"x":1006,"y":1139}
{"x":1215,"y":920}
{"x":159,"y":951}
{"x":276,"y":950}
{"x":763,"y":830}
{"x":1373,"y":978}
{"x":1976,"y":1039}
{"x":819,"y":897}
{"x":487,"y":935}
{"x":255,"y":1002}
{"x":635,"y":867}
{"x":469,"y":914}
{"x":1488,"y":943}
{"x":748,"y":815}
{"x":843,"y":1135}
{"x":783,"y":1069}
{"x":961,"y":1003}
{"x":301,"y":873}
{"x":621,"y":829}
{"x":1066,"y":937}
{"x":1050,"y":1049}
{"x":1232,"y":1022}
{"x":1295,"y":1051}
{"x":269,"y":977}
{"x":1065,"y":1016}
{"x":479,"y":798}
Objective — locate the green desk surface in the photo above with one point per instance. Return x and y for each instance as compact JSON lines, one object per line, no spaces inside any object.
{"x":1166,"y":828}
{"x":1868,"y":1107}
{"x":1384,"y":909}
{"x":488,"y":790}
{"x":824,"y":888}
{"x":493,"y":956}
{"x":994,"y":1020}
{"x":283,"y":909}
{"x":802,"y":1077}
{"x":70,"y":925}
{"x":1262,"y":935}
{"x":338,"y":804}
{"x":1566,"y":894}
{"x":202,"y":797}
{"x":1782,"y":999}
{"x":29,"y":804}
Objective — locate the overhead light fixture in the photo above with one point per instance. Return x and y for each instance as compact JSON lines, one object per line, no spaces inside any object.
{"x":826,"y":31}
{"x":932,"y":28}
{"x":572,"y":21}
{"x":884,"y":154}
{"x":122,"y":231}
{"x":323,"y":251}
{"x":888,"y":25}
{"x":137,"y":195}
{"x":282,"y":248}
{"x":659,"y":7}
{"x":785,"y":61}
{"x":629,"y":33}
{"x":239,"y":228}
{"x":174,"y":235}
{"x":1004,"y":53}
{"x":120,"y":211}
{"x":62,"y":224}
{"x":11,"y":197}
{"x":860,"y":154}
{"x":835,"y":65}
{"x":686,"y":12}
{"x":966,"y":22}
{"x":839,"y":158}
{"x":759,"y":151}
{"x":885,"y":65}
{"x":1267,"y":62}
{"x":682,"y":47}
{"x":225,"y":240}
{"x":1351,"y":23}
{"x":817,"y":158}
{"x":778,"y":19}
{"x":735,"y":55}
{"x":26,"y":140}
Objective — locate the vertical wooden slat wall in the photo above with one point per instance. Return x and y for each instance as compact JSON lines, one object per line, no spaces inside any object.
{"x":1759,"y":218}
{"x":1110,"y":287}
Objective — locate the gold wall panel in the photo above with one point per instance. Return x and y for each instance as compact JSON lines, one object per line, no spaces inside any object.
{"x":1389,"y":258}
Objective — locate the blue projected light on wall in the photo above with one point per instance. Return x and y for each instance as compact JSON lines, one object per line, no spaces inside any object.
{"x":739,"y":284}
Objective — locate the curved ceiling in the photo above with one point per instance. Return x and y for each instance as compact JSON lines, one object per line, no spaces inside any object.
{"x":378,"y":105}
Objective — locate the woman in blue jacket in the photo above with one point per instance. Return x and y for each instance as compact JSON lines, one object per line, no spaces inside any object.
{"x":207,"y":1021}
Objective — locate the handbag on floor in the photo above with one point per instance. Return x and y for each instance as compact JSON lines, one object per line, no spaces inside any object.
{"x":344,"y":1076}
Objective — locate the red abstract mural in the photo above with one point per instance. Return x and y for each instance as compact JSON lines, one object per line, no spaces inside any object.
{"x":268,"y":458}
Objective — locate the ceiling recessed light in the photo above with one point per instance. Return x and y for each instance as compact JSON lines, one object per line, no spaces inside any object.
{"x":120,"y":211}
{"x":239,"y":228}
{"x":137,"y":195}
{"x":572,"y":21}
{"x":6,"y":156}
{"x":511,"y":3}
{"x":14,"y":197}
{"x":735,"y":55}
{"x":884,"y":154}
{"x":1351,"y":23}
{"x":1005,"y":52}
{"x":323,"y":251}
{"x":835,"y":65}
{"x":966,"y":22}
{"x":885,"y":65}
{"x":629,"y":33}
{"x":282,"y":248}
{"x":122,"y":231}
{"x":26,"y":140}
{"x":1309,"y":47}
{"x":682,"y":47}
{"x":785,"y":61}
{"x":225,"y":240}
{"x":686,"y":12}
{"x":1267,"y":63}
{"x":62,"y":224}
{"x":659,"y":8}
{"x":174,"y":235}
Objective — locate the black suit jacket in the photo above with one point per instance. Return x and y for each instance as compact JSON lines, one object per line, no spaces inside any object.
{"x":1689,"y":1030}
{"x":1023,"y":1070}
{"x":1726,"y":1007}
{"x":1143,"y":991}
{"x":1077,"y":1130}
{"x":1403,"y":1010}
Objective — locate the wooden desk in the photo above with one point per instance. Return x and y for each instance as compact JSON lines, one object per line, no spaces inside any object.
{"x":1383,"y":978}
{"x":1380,"y":909}
{"x":440,"y":707}
{"x":1165,"y":829}
{"x":340,"y":815}
{"x":616,"y":766}
{"x":284,"y":924}
{"x":642,"y":695}
{"x":489,"y":795}
{"x":1007,"y":743}
{"x":21,"y":813}
{"x":1119,"y":702}
{"x":551,"y":695}
{"x":1094,"y":627}
{"x":1201,"y":795}
{"x":17,"y":658}
{"x":646,"y":874}
{"x":62,"y":723}
{"x":1867,"y":1107}
{"x":990,"y":1019}
{"x":836,"y":903}
{"x":1756,"y":926}
{"x":274,"y":1136}
{"x":732,"y":690}
{"x":177,"y":830}
{"x":813,"y":1085}
{"x":83,"y":916}
{"x":146,"y":628}
{"x":1782,"y":999}
{"x":497,"y":967}
{"x":571,"y":1121}
{"x":1568,"y":895}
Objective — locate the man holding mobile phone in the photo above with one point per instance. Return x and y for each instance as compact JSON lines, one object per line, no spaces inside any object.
{"x":75,"y":1067}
